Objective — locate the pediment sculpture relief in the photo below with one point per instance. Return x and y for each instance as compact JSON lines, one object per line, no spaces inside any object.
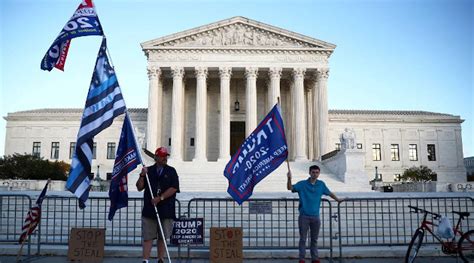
{"x":237,"y":35}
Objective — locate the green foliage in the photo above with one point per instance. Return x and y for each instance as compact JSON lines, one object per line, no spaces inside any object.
{"x":29,"y":167}
{"x":419,"y":174}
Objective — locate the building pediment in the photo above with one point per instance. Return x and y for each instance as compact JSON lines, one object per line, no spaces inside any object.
{"x":238,"y":33}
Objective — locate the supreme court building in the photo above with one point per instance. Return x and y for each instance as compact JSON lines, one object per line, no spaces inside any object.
{"x":210,"y":86}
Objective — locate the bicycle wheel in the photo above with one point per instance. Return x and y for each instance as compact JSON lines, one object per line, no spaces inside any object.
{"x":415,"y":245}
{"x":466,"y":246}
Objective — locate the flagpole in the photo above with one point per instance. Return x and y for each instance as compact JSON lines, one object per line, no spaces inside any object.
{"x":23,"y":243}
{"x":143,"y":165}
{"x":287,"y":157}
{"x":151,"y":193}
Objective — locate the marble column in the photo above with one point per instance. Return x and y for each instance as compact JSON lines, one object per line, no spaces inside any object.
{"x":315,"y":114}
{"x":224,"y":132}
{"x":201,"y":115}
{"x":309,"y":119}
{"x":155,"y":92}
{"x":300,"y":118}
{"x":323,"y":74}
{"x":274,"y":92}
{"x":177,"y":125}
{"x":251,"y":100}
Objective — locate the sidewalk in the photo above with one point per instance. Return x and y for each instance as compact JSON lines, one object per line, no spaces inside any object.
{"x":50,"y":259}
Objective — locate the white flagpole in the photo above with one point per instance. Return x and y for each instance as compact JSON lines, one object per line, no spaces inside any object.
{"x":151,"y":193}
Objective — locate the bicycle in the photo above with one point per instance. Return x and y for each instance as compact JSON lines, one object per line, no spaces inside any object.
{"x":464,"y":247}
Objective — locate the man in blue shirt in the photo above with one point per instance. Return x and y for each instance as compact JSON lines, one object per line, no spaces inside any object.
{"x":310,"y":192}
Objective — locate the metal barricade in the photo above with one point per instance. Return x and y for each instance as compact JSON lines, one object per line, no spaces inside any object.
{"x":60,"y":214}
{"x":266,"y":223}
{"x":388,"y":221}
{"x":13,"y":210}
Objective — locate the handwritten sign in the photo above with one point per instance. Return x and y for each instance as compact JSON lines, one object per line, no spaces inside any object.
{"x":188,"y":231}
{"x":86,"y":244}
{"x":226,"y":245}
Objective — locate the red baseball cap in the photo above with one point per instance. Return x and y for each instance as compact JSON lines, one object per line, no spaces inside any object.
{"x":162,"y":152}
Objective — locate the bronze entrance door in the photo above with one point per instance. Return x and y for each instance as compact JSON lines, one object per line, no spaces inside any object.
{"x":237,"y":135}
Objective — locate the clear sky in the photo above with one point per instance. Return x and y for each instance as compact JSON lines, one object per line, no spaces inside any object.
{"x":390,"y":54}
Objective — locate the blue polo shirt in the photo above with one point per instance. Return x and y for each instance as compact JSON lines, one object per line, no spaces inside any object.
{"x":310,"y":196}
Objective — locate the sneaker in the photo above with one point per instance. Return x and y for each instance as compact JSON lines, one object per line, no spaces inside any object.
{"x":145,"y":261}
{"x":160,"y":261}
{"x":301,"y":261}
{"x":316,"y":261}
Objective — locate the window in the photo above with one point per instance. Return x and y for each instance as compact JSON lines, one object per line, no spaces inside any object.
{"x":111,"y":150}
{"x":338,"y":146}
{"x":109,"y":176}
{"x":72,"y":148}
{"x":36,"y":149}
{"x":431,"y":152}
{"x":359,"y":146}
{"x":191,"y":143}
{"x":94,"y":150}
{"x":169,"y":141}
{"x":397,"y":177}
{"x":376,"y":152}
{"x":55,"y":150}
{"x":412,"y":152}
{"x":395,"y":152}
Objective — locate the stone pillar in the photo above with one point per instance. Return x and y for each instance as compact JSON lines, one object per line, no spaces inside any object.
{"x":251,"y":100}
{"x":224,"y":138}
{"x":309,"y":118}
{"x":315,"y":112}
{"x":201,"y":114}
{"x":274,"y":92}
{"x":323,"y":74}
{"x":177,"y":125}
{"x":298,"y":105}
{"x":155,"y":93}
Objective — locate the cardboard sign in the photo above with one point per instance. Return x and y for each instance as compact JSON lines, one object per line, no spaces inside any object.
{"x":86,"y":244}
{"x":226,"y":245}
{"x":188,"y":231}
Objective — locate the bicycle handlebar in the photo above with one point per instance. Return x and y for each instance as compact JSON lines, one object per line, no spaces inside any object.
{"x":416,"y":210}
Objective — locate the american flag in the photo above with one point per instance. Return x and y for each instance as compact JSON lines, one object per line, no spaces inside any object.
{"x":104,"y":103}
{"x":33,"y":217}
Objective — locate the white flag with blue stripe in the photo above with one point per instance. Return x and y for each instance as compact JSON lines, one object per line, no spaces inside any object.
{"x":104,"y":103}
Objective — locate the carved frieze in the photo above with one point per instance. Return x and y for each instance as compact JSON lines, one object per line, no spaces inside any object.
{"x":236,"y":35}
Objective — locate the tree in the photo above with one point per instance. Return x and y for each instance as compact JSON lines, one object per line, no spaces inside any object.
{"x":419,"y":174}
{"x":29,"y":167}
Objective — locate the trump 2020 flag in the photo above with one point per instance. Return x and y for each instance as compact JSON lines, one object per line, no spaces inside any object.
{"x":84,"y":22}
{"x":104,"y":102}
{"x":260,"y":154}
{"x":126,"y":160}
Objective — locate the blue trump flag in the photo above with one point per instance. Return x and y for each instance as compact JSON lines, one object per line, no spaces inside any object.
{"x":84,"y":22}
{"x":127,"y":159}
{"x":104,"y":102}
{"x":259,"y":155}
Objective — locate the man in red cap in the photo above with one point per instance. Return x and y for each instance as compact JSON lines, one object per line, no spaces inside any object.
{"x":164,"y":184}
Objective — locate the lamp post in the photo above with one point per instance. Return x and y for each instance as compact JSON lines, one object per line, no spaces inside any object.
{"x":97,"y":182}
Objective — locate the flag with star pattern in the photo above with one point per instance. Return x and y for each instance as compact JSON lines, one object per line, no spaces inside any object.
{"x":104,"y":103}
